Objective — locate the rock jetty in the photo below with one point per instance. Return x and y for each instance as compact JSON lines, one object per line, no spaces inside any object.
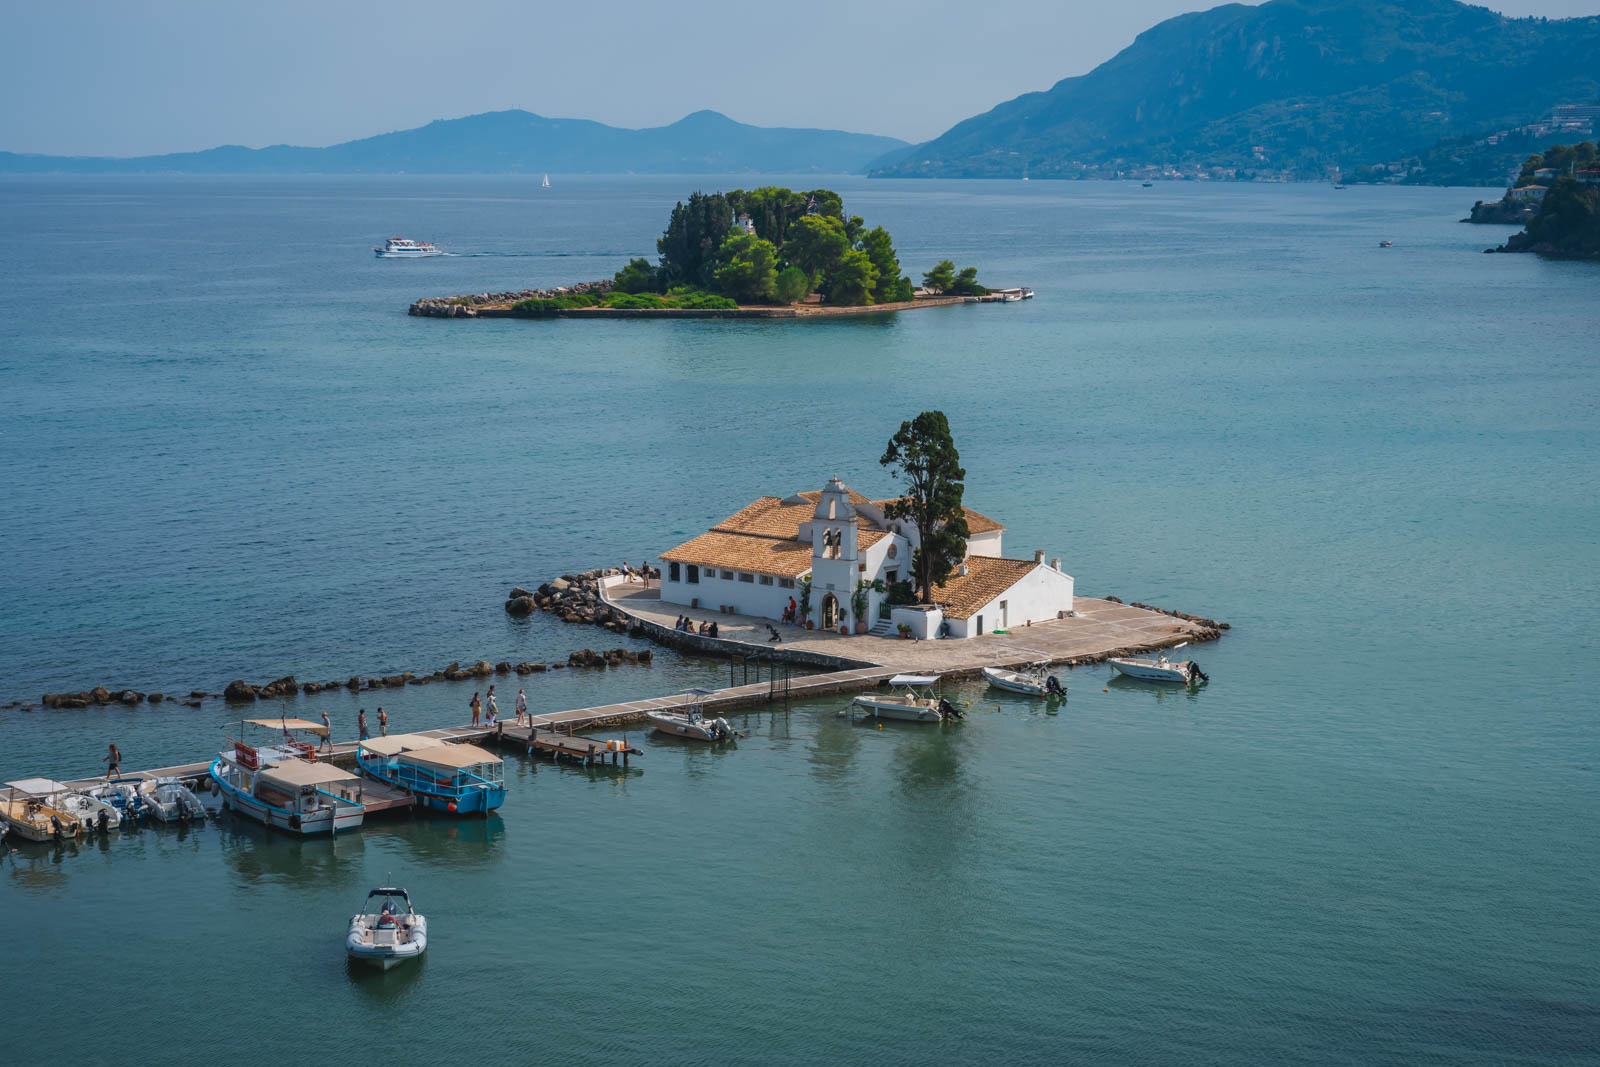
{"x":466,"y":306}
{"x":575,"y":598}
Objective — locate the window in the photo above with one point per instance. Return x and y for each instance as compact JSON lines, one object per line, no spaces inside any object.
{"x":743,"y":577}
{"x":694,"y":574}
{"x":672,"y":572}
{"x":766,"y":579}
{"x":889,"y":577}
{"x":785,"y":583}
{"x":727,"y":576}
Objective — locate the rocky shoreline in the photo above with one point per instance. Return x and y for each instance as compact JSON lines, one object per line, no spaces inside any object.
{"x":466,"y":306}
{"x":1502,"y":212}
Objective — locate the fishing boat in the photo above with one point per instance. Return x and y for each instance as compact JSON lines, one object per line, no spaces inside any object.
{"x":1149,"y":185}
{"x":278,"y":787}
{"x":1035,"y":680}
{"x":689,"y":720}
{"x":405,"y":248}
{"x":1160,"y":669}
{"x":27,"y":811}
{"x":913,"y":703}
{"x":387,"y":930}
{"x":458,"y":779}
{"x":169,"y":800}
{"x":122,"y":794}
{"x":1385,"y":244}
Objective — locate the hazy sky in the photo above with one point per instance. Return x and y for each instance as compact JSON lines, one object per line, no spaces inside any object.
{"x":132,"y":77}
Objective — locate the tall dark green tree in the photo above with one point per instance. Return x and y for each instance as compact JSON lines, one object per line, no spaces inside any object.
{"x":694,"y":233}
{"x":924,"y":454}
{"x":746,"y":268}
{"x":941,"y":277}
{"x":852,"y":280}
{"x":816,"y":244}
{"x":891,"y":285}
{"x":637,"y":277}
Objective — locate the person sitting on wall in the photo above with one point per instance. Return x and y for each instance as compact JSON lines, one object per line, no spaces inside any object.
{"x":713,"y":627}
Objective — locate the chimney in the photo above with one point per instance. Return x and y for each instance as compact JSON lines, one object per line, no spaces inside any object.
{"x":961,"y":571}
{"x":1038,"y":556}
{"x":1055,"y":564}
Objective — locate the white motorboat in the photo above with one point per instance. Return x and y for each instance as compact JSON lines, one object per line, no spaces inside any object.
{"x":387,"y":930}
{"x":170,"y":800}
{"x":122,"y":794}
{"x":90,"y":810}
{"x":1035,"y":680}
{"x":1160,"y":669}
{"x":913,"y":703}
{"x":405,"y":248}
{"x":689,"y":720}
{"x":27,"y":810}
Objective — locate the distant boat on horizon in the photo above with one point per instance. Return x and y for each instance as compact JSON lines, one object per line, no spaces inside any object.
{"x":546,"y":183}
{"x":405,"y":248}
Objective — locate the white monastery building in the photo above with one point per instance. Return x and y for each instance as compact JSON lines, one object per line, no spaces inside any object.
{"x":753,"y":562}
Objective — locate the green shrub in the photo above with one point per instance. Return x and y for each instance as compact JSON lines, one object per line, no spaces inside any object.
{"x":535,"y":307}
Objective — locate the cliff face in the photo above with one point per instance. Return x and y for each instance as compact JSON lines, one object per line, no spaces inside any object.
{"x":1504,"y":212}
{"x":1566,"y":225}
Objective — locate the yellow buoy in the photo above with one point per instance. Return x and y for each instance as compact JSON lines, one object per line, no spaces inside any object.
{"x":880,"y":726}
{"x":1106,"y":690}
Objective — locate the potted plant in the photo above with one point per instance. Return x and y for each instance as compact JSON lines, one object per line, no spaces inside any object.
{"x":905,"y":630}
{"x":805,"y":601}
{"x":858,"y":602}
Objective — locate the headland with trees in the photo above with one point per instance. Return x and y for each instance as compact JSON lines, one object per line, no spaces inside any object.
{"x":1557,"y":197}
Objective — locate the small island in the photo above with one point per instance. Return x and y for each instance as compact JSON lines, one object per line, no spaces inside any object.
{"x":1556,"y":197}
{"x":757,"y":253}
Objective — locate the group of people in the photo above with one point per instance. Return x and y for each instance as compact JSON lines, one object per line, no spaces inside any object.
{"x":686,"y":625}
{"x":640,"y":575}
{"x":363,"y":731}
{"x":791,"y":613}
{"x":488,"y":710}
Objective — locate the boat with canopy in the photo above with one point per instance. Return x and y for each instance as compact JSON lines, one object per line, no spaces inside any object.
{"x":283,"y":786}
{"x":458,"y":779}
{"x":27,"y":811}
{"x":689,"y":719}
{"x":914,"y":703}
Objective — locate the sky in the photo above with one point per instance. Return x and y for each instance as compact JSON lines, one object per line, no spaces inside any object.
{"x":136,"y":77}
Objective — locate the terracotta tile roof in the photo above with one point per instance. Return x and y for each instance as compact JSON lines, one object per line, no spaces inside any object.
{"x":783,"y":556}
{"x":976,"y":523}
{"x":987,"y":577}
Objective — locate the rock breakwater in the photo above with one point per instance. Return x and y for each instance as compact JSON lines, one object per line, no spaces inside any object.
{"x":575,"y":598}
{"x":466,"y":306}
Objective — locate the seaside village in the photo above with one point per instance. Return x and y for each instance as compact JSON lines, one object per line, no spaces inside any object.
{"x":855,"y":557}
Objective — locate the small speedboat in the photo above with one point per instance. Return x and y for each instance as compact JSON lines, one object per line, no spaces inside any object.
{"x":170,"y":800}
{"x":91,"y":811}
{"x":1034,"y":681}
{"x":27,"y":810}
{"x":387,"y":930}
{"x":689,"y":720}
{"x":1385,"y":244}
{"x":122,"y":794}
{"x":1161,"y":669}
{"x":913,"y":703}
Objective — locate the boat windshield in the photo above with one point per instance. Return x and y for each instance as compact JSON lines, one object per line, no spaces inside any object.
{"x":395,"y":901}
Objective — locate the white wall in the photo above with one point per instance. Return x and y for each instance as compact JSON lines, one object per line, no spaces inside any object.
{"x":1038,"y":595}
{"x":986,"y":544}
{"x":750,"y":598}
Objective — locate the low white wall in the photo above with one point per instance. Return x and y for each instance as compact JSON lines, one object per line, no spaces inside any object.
{"x":924,"y":622}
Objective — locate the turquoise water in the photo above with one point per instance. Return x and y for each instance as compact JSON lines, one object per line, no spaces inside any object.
{"x":228,"y":453}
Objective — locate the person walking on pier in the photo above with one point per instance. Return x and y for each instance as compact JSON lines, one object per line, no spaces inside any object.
{"x":361,"y":724}
{"x":477,"y":708}
{"x":113,"y":760}
{"x":522,"y":708}
{"x":494,"y":709}
{"x":383,"y":724}
{"x":327,"y":731}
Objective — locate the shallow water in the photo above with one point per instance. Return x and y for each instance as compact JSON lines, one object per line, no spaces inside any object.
{"x":228,"y":453}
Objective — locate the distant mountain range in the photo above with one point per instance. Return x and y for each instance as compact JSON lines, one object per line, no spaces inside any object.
{"x":1292,"y":87}
{"x":517,"y":142}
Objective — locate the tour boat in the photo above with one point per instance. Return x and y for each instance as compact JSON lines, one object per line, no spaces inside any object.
{"x":459,"y":779}
{"x":405,"y":248}
{"x":283,"y":786}
{"x":170,"y":800}
{"x":913,"y":703}
{"x":387,"y":930}
{"x":1160,"y":669}
{"x":689,"y":720}
{"x":1035,"y":681}
{"x":27,"y":810}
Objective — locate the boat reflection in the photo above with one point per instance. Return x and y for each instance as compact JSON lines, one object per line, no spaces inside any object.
{"x":260,"y":855}
{"x":384,"y":987}
{"x":1155,"y":690}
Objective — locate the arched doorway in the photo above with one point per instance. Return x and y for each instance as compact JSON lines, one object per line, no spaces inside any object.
{"x":830,"y":612}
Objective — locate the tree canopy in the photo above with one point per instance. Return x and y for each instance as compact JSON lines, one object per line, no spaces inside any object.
{"x":924,"y":454}
{"x":773,"y":244}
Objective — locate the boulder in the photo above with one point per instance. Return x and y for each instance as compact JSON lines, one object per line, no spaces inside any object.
{"x":560,"y":585}
{"x":130,"y":697}
{"x":537,"y":668}
{"x":395,"y":681}
{"x":309,"y":687}
{"x":353,"y":683}
{"x":522,"y":605}
{"x":239,"y":691}
{"x":518,"y":591}
{"x":503,"y":667}
{"x":646,"y":655}
{"x":100,"y":695}
{"x":156,"y":698}
{"x":482,"y":669}
{"x":283,"y":687}
{"x":197,"y":694}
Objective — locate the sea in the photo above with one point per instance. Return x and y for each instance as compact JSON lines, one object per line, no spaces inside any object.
{"x":228,"y":453}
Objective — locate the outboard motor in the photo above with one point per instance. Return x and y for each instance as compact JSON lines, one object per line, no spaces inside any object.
{"x":947,"y":709}
{"x":1196,"y":672}
{"x":1052,"y":686}
{"x":104,"y":821}
{"x":55,"y":828}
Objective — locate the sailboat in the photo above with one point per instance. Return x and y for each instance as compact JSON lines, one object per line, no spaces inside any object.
{"x":546,"y":183}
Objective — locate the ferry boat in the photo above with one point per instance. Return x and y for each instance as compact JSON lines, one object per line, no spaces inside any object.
{"x":405,"y":248}
{"x":283,"y":786}
{"x":914,"y":703}
{"x":458,"y":779}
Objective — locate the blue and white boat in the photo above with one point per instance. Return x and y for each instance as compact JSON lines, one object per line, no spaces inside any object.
{"x":283,"y":785}
{"x":458,"y":779}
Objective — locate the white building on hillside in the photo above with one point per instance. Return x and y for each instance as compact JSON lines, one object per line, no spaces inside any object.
{"x":753,"y":563}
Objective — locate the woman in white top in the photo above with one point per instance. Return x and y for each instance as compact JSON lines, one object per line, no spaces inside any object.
{"x":522,"y":708}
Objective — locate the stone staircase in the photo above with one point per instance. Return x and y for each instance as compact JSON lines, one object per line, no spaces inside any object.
{"x":882,"y":628}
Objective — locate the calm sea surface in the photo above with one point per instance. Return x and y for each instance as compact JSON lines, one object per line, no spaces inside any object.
{"x":226,"y":452}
